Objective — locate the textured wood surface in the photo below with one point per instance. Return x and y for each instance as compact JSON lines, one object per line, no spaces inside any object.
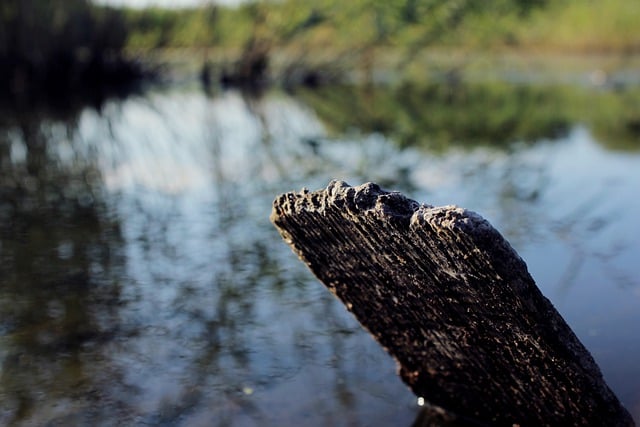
{"x":445,"y":294}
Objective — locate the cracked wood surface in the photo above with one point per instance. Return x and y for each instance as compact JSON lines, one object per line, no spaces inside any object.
{"x":447,"y":296}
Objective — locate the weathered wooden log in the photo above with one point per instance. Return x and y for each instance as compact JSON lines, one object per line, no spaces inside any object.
{"x":447,"y":296}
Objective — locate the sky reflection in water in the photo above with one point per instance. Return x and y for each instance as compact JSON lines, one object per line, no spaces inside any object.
{"x":173,"y":301}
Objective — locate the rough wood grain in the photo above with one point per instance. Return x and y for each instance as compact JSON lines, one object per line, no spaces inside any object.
{"x":445,"y":294}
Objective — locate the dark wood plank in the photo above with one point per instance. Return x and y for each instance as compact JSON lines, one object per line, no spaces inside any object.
{"x":447,"y":296}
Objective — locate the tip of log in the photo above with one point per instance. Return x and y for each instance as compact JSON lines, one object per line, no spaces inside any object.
{"x":370,"y":199}
{"x":367,"y":198}
{"x":447,"y":296}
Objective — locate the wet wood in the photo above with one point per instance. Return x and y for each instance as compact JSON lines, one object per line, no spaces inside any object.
{"x":447,"y":296}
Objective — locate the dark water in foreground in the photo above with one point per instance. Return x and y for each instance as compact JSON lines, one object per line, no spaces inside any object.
{"x":142,"y":284}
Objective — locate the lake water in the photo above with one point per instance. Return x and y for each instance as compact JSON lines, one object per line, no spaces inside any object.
{"x":141,"y":282}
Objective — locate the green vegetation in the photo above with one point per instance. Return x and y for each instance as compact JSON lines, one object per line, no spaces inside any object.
{"x":329,"y":24}
{"x":318,"y":31}
{"x":312,"y":40}
{"x":65,"y":45}
{"x":163,"y":28}
{"x":304,"y":40}
{"x":585,"y":26}
{"x":333,"y":27}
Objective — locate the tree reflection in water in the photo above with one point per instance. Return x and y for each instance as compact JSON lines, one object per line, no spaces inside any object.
{"x":143,"y":284}
{"x":60,"y":250}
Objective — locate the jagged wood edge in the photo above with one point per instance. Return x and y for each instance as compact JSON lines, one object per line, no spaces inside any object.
{"x":447,"y":296}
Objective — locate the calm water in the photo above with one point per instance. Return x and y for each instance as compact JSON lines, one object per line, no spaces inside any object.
{"x":142,"y":284}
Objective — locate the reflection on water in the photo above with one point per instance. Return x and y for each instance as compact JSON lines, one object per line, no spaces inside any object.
{"x":143,"y":284}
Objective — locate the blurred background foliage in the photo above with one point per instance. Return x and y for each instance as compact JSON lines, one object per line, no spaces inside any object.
{"x":57,"y":49}
{"x":69,"y":41}
{"x":334,"y":25}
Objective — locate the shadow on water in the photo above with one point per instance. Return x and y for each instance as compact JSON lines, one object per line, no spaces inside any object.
{"x":143,"y":284}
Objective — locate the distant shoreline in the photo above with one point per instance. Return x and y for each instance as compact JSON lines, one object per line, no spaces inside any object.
{"x":386,"y":66}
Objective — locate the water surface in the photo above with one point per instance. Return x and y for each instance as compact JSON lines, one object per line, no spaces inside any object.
{"x":141,"y":281}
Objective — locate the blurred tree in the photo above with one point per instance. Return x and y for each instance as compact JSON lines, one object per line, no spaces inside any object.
{"x":55,"y":45}
{"x":37,"y":28}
